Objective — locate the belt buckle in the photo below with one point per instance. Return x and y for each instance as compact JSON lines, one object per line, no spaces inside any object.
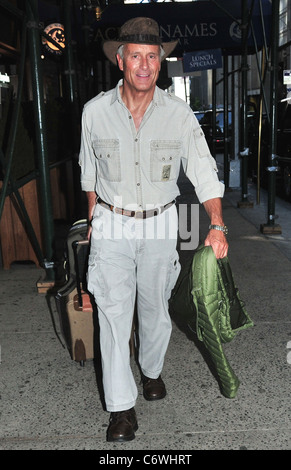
{"x":136,"y":214}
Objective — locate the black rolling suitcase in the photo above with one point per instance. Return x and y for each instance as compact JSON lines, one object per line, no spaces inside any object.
{"x":73,"y":301}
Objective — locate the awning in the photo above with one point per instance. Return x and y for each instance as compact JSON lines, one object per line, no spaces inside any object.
{"x":197,"y":25}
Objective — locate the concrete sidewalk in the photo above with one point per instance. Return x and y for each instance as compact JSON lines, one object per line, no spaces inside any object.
{"x":50,"y":402}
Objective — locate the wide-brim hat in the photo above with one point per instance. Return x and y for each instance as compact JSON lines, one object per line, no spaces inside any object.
{"x":138,"y":30}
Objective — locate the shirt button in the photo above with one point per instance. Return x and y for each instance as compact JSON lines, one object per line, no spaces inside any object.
{"x":138,"y":184}
{"x":136,"y":163}
{"x":129,"y":117}
{"x":136,"y":139}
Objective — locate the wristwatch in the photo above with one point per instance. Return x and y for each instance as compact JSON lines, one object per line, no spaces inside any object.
{"x":222,"y":228}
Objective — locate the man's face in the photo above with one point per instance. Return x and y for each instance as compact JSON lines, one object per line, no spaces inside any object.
{"x":140,"y":65}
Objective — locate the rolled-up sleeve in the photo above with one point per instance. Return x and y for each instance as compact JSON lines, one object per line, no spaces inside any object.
{"x":201,"y":168}
{"x":87,"y":158}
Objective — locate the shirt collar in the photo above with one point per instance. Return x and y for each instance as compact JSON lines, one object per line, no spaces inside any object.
{"x":116,"y":93}
{"x":158,"y":98}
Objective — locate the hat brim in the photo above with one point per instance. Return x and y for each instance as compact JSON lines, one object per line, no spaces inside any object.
{"x":110,"y":49}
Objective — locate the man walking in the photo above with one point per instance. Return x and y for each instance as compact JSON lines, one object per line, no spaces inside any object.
{"x":134,"y":138}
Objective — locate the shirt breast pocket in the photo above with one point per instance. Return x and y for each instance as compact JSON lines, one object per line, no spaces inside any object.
{"x":165,"y":160}
{"x":107,"y":153}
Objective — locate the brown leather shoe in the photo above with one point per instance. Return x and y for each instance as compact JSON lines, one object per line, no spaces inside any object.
{"x":153,"y":389}
{"x":122,"y":425}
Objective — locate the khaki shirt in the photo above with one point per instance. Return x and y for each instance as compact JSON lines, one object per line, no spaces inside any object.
{"x":139,"y":169}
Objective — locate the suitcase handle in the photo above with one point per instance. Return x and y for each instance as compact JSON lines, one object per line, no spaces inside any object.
{"x":75,"y":245}
{"x":82,"y":242}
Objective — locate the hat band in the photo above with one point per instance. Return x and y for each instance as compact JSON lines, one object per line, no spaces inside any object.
{"x":141,"y":39}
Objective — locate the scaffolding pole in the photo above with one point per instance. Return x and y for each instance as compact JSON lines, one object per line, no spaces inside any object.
{"x":225,"y":121}
{"x":9,"y":186}
{"x":270,"y":227}
{"x":72,"y":104}
{"x":244,"y":153}
{"x":41,"y":134}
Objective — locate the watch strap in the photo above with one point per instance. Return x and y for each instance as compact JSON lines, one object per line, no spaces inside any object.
{"x":222,"y":228}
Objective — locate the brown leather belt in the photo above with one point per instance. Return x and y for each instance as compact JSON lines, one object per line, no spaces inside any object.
{"x":137,"y":214}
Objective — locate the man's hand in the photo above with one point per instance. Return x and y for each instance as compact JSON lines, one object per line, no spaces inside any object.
{"x":217,"y":240}
{"x":89,"y":232}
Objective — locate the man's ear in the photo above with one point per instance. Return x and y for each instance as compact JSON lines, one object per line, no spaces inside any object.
{"x":119,"y":62}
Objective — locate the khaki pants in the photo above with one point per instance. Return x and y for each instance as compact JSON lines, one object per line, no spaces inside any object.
{"x":132,"y":257}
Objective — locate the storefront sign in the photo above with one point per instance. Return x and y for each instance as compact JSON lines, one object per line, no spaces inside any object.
{"x":287,"y":77}
{"x":202,"y":60}
{"x":56,"y":32}
{"x":196,"y":25}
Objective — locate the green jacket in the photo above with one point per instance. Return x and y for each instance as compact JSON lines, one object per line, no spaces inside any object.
{"x":206,"y":299}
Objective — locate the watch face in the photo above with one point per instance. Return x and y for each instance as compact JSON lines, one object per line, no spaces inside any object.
{"x":56,"y":31}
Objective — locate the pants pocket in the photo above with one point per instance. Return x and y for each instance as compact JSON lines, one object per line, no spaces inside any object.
{"x":174,"y":268}
{"x":95,"y":282}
